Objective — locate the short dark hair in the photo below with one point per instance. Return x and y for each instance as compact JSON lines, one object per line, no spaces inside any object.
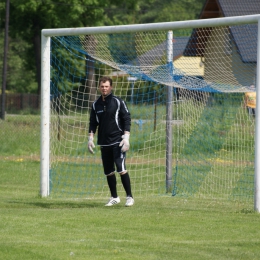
{"x":105,"y":79}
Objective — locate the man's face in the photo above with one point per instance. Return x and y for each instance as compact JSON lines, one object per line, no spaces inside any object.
{"x":105,"y":88}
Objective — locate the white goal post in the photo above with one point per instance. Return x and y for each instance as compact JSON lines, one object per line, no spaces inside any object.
{"x":167,"y":26}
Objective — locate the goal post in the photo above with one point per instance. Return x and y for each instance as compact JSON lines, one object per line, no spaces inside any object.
{"x":257,"y":128}
{"x":172,"y":107}
{"x":45,"y":116}
{"x":169,"y":116}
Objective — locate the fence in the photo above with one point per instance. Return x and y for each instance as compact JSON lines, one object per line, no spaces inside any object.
{"x":20,"y":103}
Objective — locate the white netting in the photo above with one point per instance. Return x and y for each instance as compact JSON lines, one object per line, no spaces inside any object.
{"x":212,"y":133}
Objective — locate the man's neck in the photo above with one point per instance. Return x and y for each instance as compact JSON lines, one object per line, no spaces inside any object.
{"x":104,"y":96}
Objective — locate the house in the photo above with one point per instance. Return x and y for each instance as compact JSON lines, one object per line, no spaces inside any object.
{"x":226,"y":52}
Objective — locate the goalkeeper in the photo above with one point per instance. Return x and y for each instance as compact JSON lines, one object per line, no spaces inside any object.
{"x":110,"y":116}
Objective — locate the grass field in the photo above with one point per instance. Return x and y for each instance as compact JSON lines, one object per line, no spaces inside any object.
{"x":154,"y":228}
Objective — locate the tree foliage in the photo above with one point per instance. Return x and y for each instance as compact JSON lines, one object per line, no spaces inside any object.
{"x":19,"y":78}
{"x":153,"y":11}
{"x":29,"y":17}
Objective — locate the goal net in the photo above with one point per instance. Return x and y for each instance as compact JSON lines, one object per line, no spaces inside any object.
{"x":191,"y":134}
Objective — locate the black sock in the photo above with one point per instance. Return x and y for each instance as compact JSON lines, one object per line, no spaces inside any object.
{"x":111,"y":180}
{"x":127,"y":184}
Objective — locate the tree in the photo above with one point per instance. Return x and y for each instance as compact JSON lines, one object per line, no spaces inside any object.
{"x":19,"y":76}
{"x":152,"y":11}
{"x":29,"y":17}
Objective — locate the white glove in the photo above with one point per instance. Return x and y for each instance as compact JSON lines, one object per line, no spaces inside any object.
{"x":125,"y":143}
{"x":91,"y":144}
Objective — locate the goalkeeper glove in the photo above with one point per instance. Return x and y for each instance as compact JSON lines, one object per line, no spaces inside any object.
{"x":125,"y":143}
{"x":91,"y":144}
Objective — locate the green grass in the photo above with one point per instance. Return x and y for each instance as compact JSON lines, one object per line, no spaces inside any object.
{"x":157,"y":227}
{"x":20,"y":135}
{"x":154,"y":228}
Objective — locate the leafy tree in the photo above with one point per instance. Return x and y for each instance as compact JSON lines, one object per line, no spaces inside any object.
{"x":19,"y":79}
{"x":29,"y":17}
{"x":122,"y":12}
{"x":152,"y":11}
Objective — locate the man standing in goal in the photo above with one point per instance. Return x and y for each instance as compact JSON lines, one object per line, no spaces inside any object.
{"x":111,"y":116}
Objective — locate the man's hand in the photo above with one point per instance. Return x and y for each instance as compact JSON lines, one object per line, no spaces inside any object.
{"x":91,"y":144}
{"x":125,"y":143}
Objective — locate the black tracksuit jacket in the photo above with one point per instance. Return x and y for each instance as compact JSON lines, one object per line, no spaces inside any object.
{"x":111,"y":117}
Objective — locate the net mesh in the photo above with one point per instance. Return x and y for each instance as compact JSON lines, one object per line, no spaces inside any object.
{"x":212,"y":131}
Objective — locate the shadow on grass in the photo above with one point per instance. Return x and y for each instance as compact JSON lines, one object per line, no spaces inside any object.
{"x":53,"y":204}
